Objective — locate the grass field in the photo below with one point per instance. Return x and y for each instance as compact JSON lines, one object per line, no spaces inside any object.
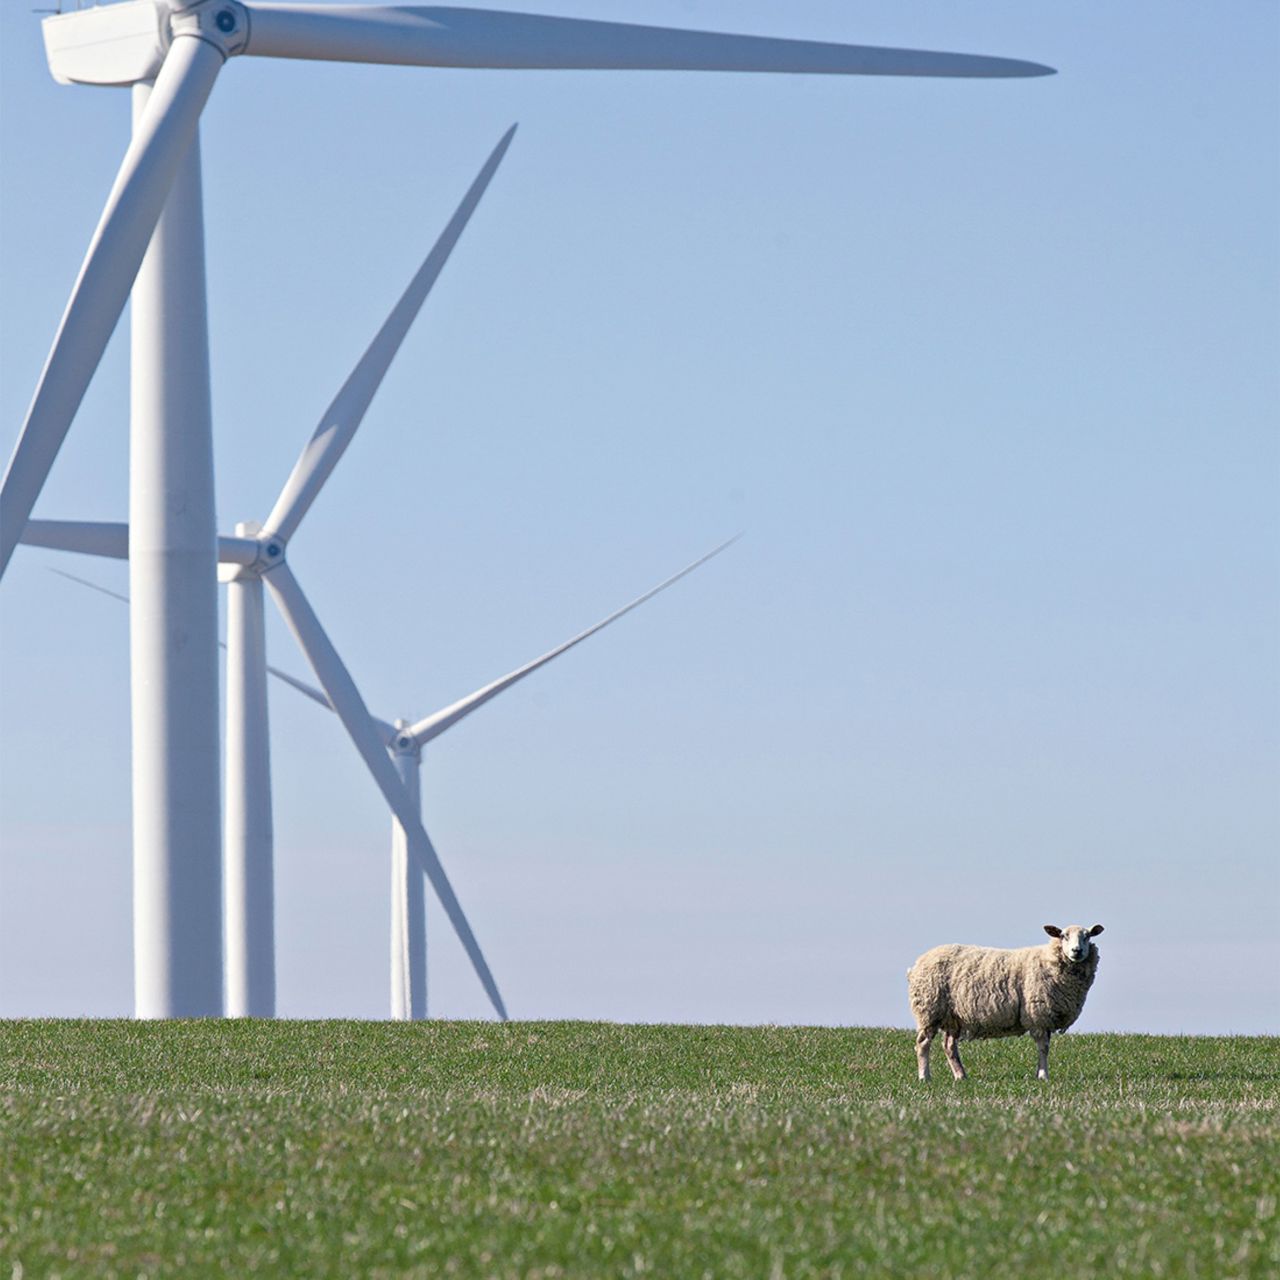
{"x":580,"y":1149}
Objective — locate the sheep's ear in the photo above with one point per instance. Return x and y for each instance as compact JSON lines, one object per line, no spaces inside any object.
{"x":1053,"y":931}
{"x":1097,"y":929}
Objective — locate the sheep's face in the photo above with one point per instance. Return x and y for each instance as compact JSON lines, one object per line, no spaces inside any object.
{"x":1075,"y":943}
{"x":1075,"y":940}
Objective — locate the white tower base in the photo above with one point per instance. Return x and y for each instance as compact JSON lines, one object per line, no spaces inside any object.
{"x":248,"y":862}
{"x":408,"y":909}
{"x":177,"y":892}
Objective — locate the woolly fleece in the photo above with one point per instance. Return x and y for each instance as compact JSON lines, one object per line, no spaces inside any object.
{"x":981,"y":993}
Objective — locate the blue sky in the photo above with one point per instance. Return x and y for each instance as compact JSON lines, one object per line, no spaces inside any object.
{"x":986,"y":373}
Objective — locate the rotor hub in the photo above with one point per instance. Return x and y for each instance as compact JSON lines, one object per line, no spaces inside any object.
{"x":271,"y":555}
{"x":250,"y":554}
{"x":221,"y":23}
{"x":403,"y":743}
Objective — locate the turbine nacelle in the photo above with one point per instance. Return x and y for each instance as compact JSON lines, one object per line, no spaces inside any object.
{"x":250,"y":554}
{"x":122,"y":44}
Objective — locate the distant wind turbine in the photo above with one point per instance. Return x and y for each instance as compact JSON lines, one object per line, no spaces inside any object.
{"x":408,"y":910}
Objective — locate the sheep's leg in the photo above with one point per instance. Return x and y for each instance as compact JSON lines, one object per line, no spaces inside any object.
{"x":951,"y":1047}
{"x":924,"y":1039}
{"x":1042,"y":1046}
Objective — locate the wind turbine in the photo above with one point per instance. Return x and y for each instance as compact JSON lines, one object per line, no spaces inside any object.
{"x":249,"y":897}
{"x":150,"y":240}
{"x":248,"y":877}
{"x":405,"y":742}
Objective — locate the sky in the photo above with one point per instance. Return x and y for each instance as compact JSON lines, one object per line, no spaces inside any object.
{"x":984,"y":372}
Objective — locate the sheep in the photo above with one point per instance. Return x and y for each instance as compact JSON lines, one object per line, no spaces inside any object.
{"x":980,"y":993}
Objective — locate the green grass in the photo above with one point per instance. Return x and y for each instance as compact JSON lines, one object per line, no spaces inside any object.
{"x":578,"y":1149}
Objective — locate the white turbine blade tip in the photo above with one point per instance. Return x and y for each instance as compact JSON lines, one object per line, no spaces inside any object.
{"x":93,"y":586}
{"x":341,"y":420}
{"x":449,"y":37}
{"x":434,"y":725}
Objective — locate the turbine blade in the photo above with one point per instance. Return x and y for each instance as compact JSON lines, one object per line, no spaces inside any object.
{"x":448,"y":37}
{"x":301,"y":685}
{"x":88,"y":537}
{"x":433,"y":726}
{"x":346,"y":700}
{"x":384,"y":727}
{"x":106,"y":275}
{"x":110,"y":538}
{"x":344,"y":415}
{"x":93,"y":586}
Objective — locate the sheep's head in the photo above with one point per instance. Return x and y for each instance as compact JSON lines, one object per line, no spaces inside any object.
{"x":1074,"y":939}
